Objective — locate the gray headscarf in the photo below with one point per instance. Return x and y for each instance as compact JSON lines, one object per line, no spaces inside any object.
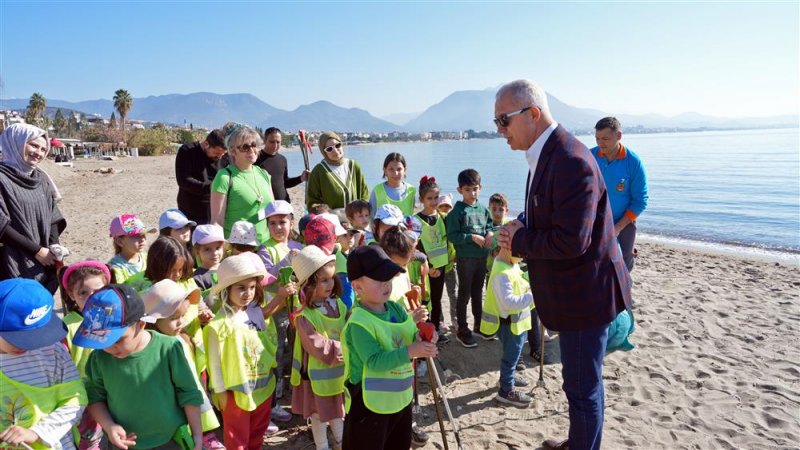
{"x":12,"y":146}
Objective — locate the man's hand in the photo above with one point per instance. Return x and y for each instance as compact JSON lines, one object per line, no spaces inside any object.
{"x":507,"y":233}
{"x":304,"y":175}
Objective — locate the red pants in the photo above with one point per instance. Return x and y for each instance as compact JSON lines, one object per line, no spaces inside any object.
{"x":244,"y":430}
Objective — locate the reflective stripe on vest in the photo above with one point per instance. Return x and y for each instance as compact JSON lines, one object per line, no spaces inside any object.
{"x":434,"y":241}
{"x":326,"y":380}
{"x":406,"y":204}
{"x":490,"y":317}
{"x":384,"y":392}
{"x":24,"y":405}
{"x":247,"y":358}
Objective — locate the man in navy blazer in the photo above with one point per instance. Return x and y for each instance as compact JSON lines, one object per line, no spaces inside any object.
{"x":578,"y":277}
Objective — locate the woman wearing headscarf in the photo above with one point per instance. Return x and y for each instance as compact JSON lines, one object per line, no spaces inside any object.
{"x":336,"y":181}
{"x":241,"y":190}
{"x":30,"y":221}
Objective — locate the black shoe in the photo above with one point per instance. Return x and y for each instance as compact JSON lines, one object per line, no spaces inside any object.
{"x":486,"y":337}
{"x":466,"y":339}
{"x":443,"y":339}
{"x":418,"y":437}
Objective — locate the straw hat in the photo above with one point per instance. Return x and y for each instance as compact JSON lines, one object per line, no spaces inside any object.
{"x":234,"y":269}
{"x":308,"y":261}
{"x":162,"y":299}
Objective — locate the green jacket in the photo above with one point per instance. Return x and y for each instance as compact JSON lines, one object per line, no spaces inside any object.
{"x":325,"y":187}
{"x":464,"y":221}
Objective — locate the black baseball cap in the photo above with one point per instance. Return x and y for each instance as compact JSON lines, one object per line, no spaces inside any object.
{"x":371,"y":261}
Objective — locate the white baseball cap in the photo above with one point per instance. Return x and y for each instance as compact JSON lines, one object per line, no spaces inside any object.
{"x":174,"y":218}
{"x":390,"y":215}
{"x":278,"y":207}
{"x":206,"y":234}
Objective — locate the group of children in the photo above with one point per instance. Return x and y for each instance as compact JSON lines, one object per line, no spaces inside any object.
{"x":199,"y":330}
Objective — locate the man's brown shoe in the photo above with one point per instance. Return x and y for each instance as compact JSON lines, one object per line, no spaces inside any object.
{"x":552,"y":444}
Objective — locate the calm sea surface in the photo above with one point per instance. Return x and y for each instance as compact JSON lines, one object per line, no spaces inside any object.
{"x":733,"y":187}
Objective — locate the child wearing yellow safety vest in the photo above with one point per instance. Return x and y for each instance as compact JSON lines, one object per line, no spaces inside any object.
{"x":41,"y":390}
{"x":241,"y":341}
{"x":394,"y":191}
{"x":208,"y":248}
{"x":433,"y":241}
{"x":507,"y":312}
{"x":165,"y":304}
{"x":317,"y":364}
{"x":380,"y":339}
{"x":79,"y":281}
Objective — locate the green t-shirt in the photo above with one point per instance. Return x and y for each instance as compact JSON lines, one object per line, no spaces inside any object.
{"x":244,"y":188}
{"x":364,"y":347}
{"x":145,"y":392}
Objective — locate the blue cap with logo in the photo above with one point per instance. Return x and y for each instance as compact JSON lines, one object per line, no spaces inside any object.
{"x":27,"y":320}
{"x":106,"y":316}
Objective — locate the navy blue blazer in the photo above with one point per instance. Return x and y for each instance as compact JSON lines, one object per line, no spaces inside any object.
{"x":578,"y":278}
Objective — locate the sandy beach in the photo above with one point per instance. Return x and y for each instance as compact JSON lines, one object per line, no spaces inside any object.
{"x":713,"y":366}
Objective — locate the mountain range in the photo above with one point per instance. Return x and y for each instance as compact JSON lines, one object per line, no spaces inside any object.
{"x":461,"y":110}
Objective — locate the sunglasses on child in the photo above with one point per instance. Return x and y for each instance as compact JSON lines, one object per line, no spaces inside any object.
{"x":331,"y":148}
{"x":504,"y":119}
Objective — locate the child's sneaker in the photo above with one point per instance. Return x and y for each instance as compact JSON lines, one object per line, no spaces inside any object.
{"x":466,"y":339}
{"x":210,"y":442}
{"x":280,"y":414}
{"x":514,"y":397}
{"x":443,"y":339}
{"x":418,"y":437}
{"x":486,"y":337}
{"x":272,"y":428}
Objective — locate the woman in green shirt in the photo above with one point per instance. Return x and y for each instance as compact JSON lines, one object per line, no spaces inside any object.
{"x":242,"y":190}
{"x":336,"y":181}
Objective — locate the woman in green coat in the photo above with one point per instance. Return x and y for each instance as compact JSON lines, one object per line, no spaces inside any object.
{"x":336,"y":181}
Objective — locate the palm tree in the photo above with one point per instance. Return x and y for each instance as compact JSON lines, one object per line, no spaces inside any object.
{"x":36,"y":106}
{"x":122,"y":103}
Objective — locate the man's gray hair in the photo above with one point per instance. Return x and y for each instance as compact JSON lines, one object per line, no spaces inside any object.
{"x":525,"y":93}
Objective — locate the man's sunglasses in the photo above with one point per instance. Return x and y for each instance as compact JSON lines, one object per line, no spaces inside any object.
{"x":503,"y":119}
{"x":331,"y":148}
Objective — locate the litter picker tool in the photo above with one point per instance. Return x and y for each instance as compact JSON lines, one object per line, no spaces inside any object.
{"x":305,"y":148}
{"x":426,"y":332}
{"x":540,"y":382}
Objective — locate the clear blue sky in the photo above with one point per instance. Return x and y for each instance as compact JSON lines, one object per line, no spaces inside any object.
{"x":725,"y":59}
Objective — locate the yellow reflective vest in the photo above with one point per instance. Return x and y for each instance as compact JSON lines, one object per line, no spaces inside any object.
{"x":520,"y":319}
{"x":208,"y":419}
{"x":434,"y":241}
{"x":384,"y":392}
{"x":326,"y":380}
{"x":406,"y":205}
{"x":247,"y":359}
{"x":26,"y":405}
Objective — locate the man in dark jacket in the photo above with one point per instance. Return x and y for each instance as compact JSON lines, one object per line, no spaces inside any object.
{"x":578,"y":277}
{"x":276,"y":166}
{"x":195,"y":168}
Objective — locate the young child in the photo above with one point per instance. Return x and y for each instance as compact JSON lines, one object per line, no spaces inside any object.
{"x":380,"y":340}
{"x":78,"y":282}
{"x":433,"y":241}
{"x":165,"y":304}
{"x":175,"y":224}
{"x":318,"y":366}
{"x":136,"y":361}
{"x":469,"y":228}
{"x":41,"y":390}
{"x":394,"y":190}
{"x":241,"y":342}
{"x":507,"y":312}
{"x":444,"y":206}
{"x":276,"y":253}
{"x":358,"y":213}
{"x":386,"y":216}
{"x":322,"y":232}
{"x":498,"y":208}
{"x":208,"y":245}
{"x":129,"y":237}
{"x":242,"y":237}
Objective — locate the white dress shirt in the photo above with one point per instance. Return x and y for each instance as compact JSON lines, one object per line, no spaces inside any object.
{"x":532,"y":155}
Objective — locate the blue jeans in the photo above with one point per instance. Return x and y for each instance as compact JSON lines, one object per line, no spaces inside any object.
{"x":582,"y":369}
{"x":512,"y":347}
